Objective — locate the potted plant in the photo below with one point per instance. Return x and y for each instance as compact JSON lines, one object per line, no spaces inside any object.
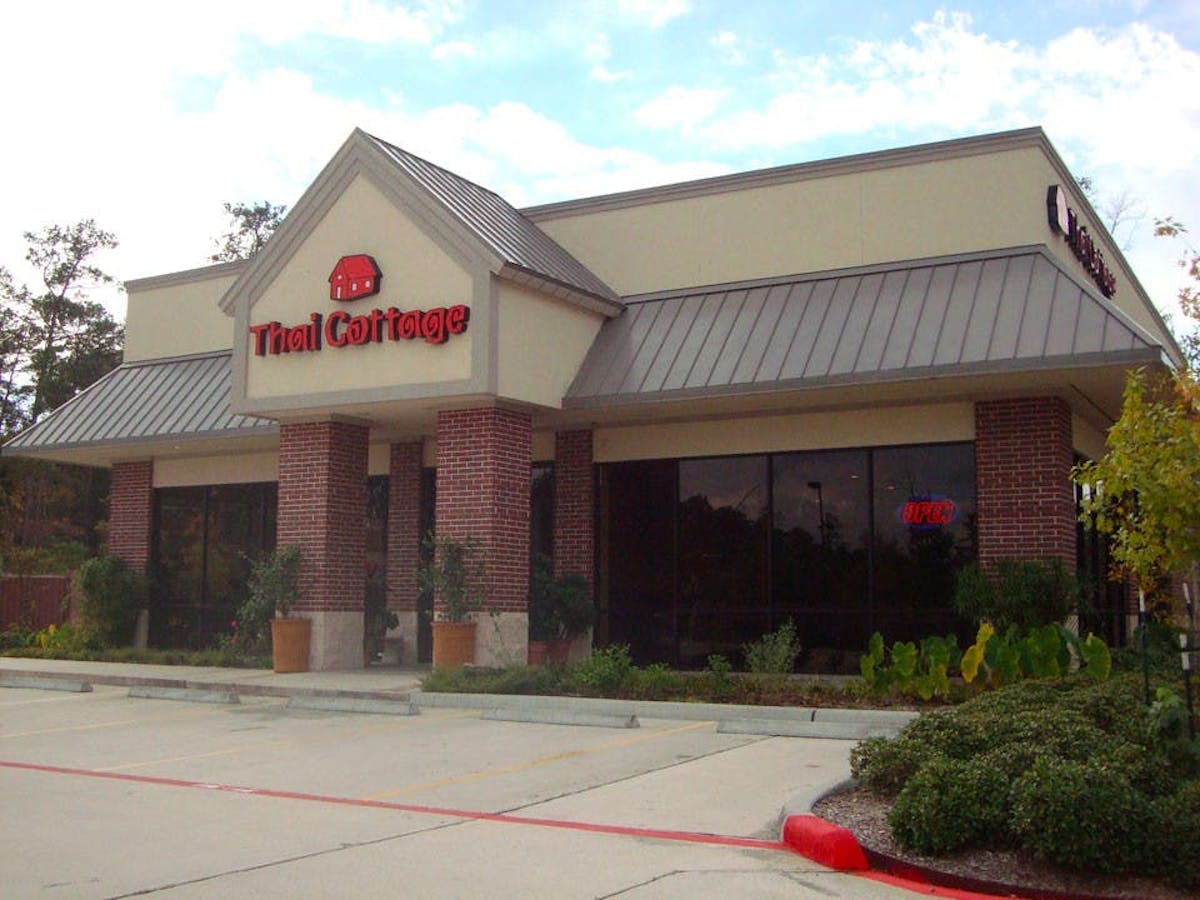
{"x":274,"y":588}
{"x":455,"y":575}
{"x":560,"y":610}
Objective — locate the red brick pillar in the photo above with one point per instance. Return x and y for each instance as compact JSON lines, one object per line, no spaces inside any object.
{"x":1024,"y":497}
{"x":484,"y":459}
{"x":574,"y":517}
{"x":322,"y":507}
{"x":404,"y":541}
{"x":131,"y":512}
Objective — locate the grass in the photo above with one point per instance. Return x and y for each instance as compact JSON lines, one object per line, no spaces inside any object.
{"x":210,"y":657}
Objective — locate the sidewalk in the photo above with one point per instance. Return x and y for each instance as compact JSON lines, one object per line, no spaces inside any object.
{"x":390,"y":686}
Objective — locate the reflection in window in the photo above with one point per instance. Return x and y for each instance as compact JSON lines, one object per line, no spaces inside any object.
{"x":722,"y":555}
{"x":924,"y":532}
{"x":204,"y":537}
{"x":688,"y":565}
{"x":821,"y":534}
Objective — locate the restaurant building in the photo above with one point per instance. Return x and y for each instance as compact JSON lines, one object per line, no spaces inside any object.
{"x":810,"y":392}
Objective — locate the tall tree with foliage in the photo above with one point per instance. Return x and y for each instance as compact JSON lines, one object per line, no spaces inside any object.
{"x":64,"y":341}
{"x":54,"y":341}
{"x":1145,"y":492}
{"x":251,"y":226}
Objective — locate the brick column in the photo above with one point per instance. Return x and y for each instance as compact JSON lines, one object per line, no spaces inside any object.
{"x":131,"y":512}
{"x":404,"y":541}
{"x":1024,"y":498}
{"x":574,"y":517}
{"x":483,"y":491}
{"x":322,"y":507}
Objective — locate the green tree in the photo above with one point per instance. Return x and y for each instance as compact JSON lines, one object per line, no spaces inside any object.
{"x":1143,"y":493}
{"x":251,"y":226}
{"x":54,"y":341}
{"x":64,"y":341}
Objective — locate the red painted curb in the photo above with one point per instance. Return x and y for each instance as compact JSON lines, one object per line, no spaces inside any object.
{"x":830,"y":845}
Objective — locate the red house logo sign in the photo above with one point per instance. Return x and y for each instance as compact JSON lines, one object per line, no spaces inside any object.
{"x":354,"y":277}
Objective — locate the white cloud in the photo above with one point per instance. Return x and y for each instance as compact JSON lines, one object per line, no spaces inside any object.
{"x":655,"y":13}
{"x":453,"y":50}
{"x":679,"y":107}
{"x":729,"y":45}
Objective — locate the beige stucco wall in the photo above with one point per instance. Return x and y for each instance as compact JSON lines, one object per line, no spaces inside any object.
{"x":177,"y":316}
{"x":766,"y":434}
{"x":417,"y":274}
{"x":541,"y":342}
{"x":882,"y":213}
{"x":1089,"y":441}
{"x":815,"y":223}
{"x":185,"y":471}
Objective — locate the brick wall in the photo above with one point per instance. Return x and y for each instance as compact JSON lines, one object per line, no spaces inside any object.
{"x":1023,"y":459}
{"x":574,"y":516}
{"x":131,"y":512}
{"x":483,"y":491}
{"x":322,"y":504}
{"x":404,"y":525}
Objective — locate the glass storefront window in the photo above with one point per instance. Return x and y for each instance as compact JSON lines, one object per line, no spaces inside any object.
{"x":722,"y":555}
{"x":820,"y":536}
{"x":700,"y":556}
{"x":204,"y":539}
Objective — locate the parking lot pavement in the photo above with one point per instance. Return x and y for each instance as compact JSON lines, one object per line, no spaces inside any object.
{"x":108,"y":796}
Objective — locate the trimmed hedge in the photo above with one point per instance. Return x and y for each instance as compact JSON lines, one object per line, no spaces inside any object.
{"x":1070,"y":771}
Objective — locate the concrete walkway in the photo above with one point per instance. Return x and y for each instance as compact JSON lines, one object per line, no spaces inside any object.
{"x":378,"y":689}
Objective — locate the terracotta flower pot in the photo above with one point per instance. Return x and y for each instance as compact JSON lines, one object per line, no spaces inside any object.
{"x":542,"y":652}
{"x":290,"y":640}
{"x":453,"y":643}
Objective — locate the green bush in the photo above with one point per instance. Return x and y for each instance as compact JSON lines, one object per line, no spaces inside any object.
{"x":949,"y":804}
{"x":658,"y":681}
{"x":606,"y":671}
{"x":1175,"y":841}
{"x":112,"y":592}
{"x":1019,"y":593}
{"x":1080,"y":815}
{"x":16,"y":636}
{"x":885,"y":765}
{"x":775,"y":652}
{"x":68,"y":641}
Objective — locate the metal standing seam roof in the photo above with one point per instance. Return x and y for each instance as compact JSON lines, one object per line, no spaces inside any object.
{"x":510,"y":235}
{"x":184,"y":397}
{"x":1003,"y":311}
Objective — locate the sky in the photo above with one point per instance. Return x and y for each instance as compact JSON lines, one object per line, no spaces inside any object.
{"x":148,"y":116}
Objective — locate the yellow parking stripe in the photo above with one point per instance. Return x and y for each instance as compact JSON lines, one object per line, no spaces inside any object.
{"x":313,"y":739}
{"x":540,"y":761}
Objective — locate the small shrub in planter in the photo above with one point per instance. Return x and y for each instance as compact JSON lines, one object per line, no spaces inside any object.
{"x":949,"y":804}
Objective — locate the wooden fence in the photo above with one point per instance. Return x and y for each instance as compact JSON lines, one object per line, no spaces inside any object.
{"x":35,"y":601}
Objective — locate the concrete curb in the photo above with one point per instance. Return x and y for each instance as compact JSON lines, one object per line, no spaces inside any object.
{"x":189,"y":695}
{"x":783,"y":721}
{"x":334,"y":703}
{"x":561,"y":718}
{"x":39,"y":683}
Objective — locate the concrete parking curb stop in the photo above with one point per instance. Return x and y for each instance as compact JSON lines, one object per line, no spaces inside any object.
{"x":42,"y":683}
{"x":188,"y":695}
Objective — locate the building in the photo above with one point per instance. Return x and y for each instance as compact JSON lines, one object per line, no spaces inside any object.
{"x":811,"y":391}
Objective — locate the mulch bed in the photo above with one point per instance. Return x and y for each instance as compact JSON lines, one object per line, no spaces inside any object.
{"x":865,"y":814}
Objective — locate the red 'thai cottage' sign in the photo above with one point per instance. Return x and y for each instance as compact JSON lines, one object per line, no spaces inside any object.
{"x":354,"y":277}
